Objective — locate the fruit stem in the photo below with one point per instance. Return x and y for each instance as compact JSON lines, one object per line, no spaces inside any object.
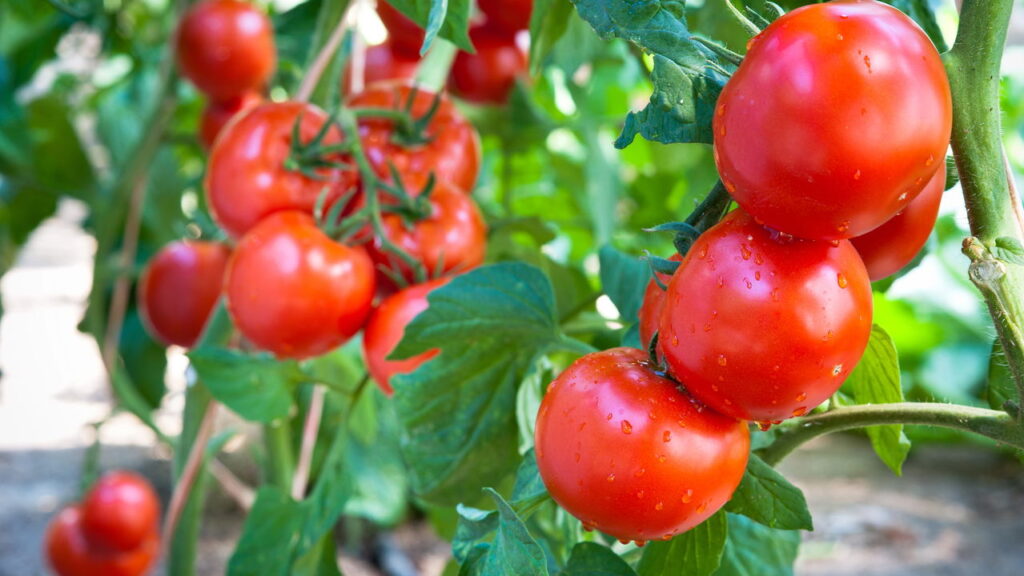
{"x":189,"y":472}
{"x":310,"y":430}
{"x":334,"y":16}
{"x":992,"y":424}
{"x":280,"y":459}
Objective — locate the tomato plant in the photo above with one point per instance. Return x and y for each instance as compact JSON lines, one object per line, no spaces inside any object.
{"x":120,"y":513}
{"x":649,"y":318}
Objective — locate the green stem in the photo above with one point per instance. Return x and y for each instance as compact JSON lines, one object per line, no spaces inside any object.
{"x":993,"y":208}
{"x":182,"y":553}
{"x":993,"y":424}
{"x":280,"y":460}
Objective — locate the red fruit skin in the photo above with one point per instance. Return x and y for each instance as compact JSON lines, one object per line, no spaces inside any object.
{"x":216,"y":115}
{"x":246,"y":179}
{"x":507,"y":16}
{"x":629,"y":453}
{"x":226,"y":48}
{"x":488,"y":76}
{"x":293,"y":291}
{"x":838,"y":116}
{"x":764,"y":327}
{"x":120,"y":512}
{"x":654,"y":303}
{"x":69,"y":554}
{"x":179,"y":288}
{"x":452,"y":150}
{"x":385,"y":330}
{"x":384,"y":63}
{"x":890,"y":247}
{"x":405,"y":34}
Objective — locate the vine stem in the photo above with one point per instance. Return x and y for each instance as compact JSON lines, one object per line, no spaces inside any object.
{"x":188,"y":475}
{"x":310,"y":430}
{"x":323,"y":58}
{"x":994,"y":424}
{"x":239,"y":491}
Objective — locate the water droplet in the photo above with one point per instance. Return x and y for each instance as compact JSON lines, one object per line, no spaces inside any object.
{"x":902,"y":197}
{"x":729,"y":186}
{"x":666,"y":537}
{"x":775,"y":295}
{"x":609,"y":416}
{"x":702,"y":507}
{"x":687,"y":498}
{"x":828,"y":336}
{"x":652,"y":415}
{"x":837,"y":370}
{"x":721,"y":131}
{"x":867,"y":62}
{"x":666,"y":436}
{"x":582,"y":426}
{"x":839,"y":36}
{"x":611,"y":477}
{"x":745,"y":252}
{"x":800,"y":411}
{"x":640,"y":494}
{"x":662,"y":458}
{"x":856,"y":175}
{"x":675,"y":340}
{"x":714,"y":387}
{"x":707,"y":327}
{"x":627,"y":428}
{"x":764,"y":426}
{"x":621,"y":541}
{"x":682,"y":423}
{"x":930,"y":160}
{"x":640,"y":472}
{"x":659,"y":506}
{"x":722,"y":360}
{"x":841,"y":279}
{"x":801,"y":397}
{"x":588,"y":527}
{"x":640,"y":543}
{"x":758,"y":259}
{"x":721,"y":282}
{"x":757,"y":274}
{"x":721,"y":110}
{"x":702,"y":253}
{"x":842,"y":228}
{"x":844,"y":16}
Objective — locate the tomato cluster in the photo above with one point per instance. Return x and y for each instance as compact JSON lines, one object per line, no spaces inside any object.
{"x":831,"y":136}
{"x":114,"y":531}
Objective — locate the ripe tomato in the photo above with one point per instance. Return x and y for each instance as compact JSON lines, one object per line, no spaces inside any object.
{"x":384,"y":63}
{"x":120,"y":512}
{"x":761,"y":326}
{"x":452,"y":150}
{"x":835,"y":120}
{"x":179,"y":288}
{"x":453,"y":238}
{"x":246,"y":179}
{"x":217,"y":114}
{"x":406,"y":35}
{"x":69,"y":553}
{"x":654,"y":303}
{"x":293,"y":291}
{"x":627,"y":452}
{"x":888,"y":248}
{"x":488,"y":76}
{"x":386,"y":327}
{"x":507,"y":16}
{"x":226,"y":47}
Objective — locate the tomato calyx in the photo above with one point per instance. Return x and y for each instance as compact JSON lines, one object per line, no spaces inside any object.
{"x":309,"y":157}
{"x":409,"y":130}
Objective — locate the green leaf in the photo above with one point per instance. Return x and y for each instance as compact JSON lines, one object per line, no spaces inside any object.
{"x":753,"y":549}
{"x":270,"y":532}
{"x":257,"y":386}
{"x":529,"y":490}
{"x":548,"y":23}
{"x":448,"y":19}
{"x":624,"y":279}
{"x":457,"y":411}
{"x":592,"y":559}
{"x":473,"y":531}
{"x":380,"y":482}
{"x":922,"y":13}
{"x":767,"y":497}
{"x":876,"y":380}
{"x":694,"y":553}
{"x":514,"y":550}
{"x":1009,"y":250}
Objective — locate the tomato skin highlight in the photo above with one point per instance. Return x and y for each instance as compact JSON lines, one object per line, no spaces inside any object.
{"x":507,"y":17}
{"x":216,"y":115}
{"x":630,"y":454}
{"x":246,"y":179}
{"x":654,"y":302}
{"x":120,"y":512}
{"x":406,"y":35}
{"x":762,"y":326}
{"x":386,"y":327}
{"x":179,"y":288}
{"x":384,"y":63}
{"x":69,"y":554}
{"x":293,"y":291}
{"x":226,"y":48}
{"x":452,"y":152}
{"x":488,"y":76}
{"x":889,"y":248}
{"x":838,"y":116}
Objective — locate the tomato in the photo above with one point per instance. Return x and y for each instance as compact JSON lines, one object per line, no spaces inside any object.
{"x":217,"y":114}
{"x":179,"y":288}
{"x":246,"y":179}
{"x":384,"y":63}
{"x":385,"y":330}
{"x":406,"y":35}
{"x":452,"y":150}
{"x":507,"y":16}
{"x":488,"y":76}
{"x":293,"y":291}
{"x":888,"y":248}
{"x":627,"y":452}
{"x":120,"y":512}
{"x":761,"y":326}
{"x":226,"y":48}
{"x":654,"y":303}
{"x":838,"y":116}
{"x":452,"y":238}
{"x":69,"y":552}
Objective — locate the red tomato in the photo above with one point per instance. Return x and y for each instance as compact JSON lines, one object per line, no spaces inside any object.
{"x":835,"y":121}
{"x":888,"y":248}
{"x":507,"y":16}
{"x":226,"y":47}
{"x":247,"y":181}
{"x":654,"y":303}
{"x":217,"y":114}
{"x":406,"y":35}
{"x":69,"y":553}
{"x":179,"y":288}
{"x":293,"y":291}
{"x":488,"y":76}
{"x":385,"y":330}
{"x":452,"y":150}
{"x":453,"y":238}
{"x":627,"y":452}
{"x":120,"y":512}
{"x":384,"y":63}
{"x":761,"y":326}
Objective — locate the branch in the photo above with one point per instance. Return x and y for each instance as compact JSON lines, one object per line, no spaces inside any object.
{"x":327,"y":51}
{"x":188,"y":476}
{"x":310,"y":430}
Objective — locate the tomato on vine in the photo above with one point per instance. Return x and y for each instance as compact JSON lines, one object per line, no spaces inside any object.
{"x":226,"y":47}
{"x":623,"y":449}
{"x":762,"y":326}
{"x":69,"y":553}
{"x":120,"y":512}
{"x":838,"y":116}
{"x":384,"y":63}
{"x":507,"y":16}
{"x":406,"y":35}
{"x":295,"y":292}
{"x":216,"y":115}
{"x":653,"y":304}
{"x":488,"y":76}
{"x":179,"y":288}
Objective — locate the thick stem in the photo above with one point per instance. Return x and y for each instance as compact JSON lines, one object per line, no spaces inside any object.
{"x":181,"y":554}
{"x":189,"y":472}
{"x":280,"y":460}
{"x":993,"y":424}
{"x":310,"y":430}
{"x":239,"y":491}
